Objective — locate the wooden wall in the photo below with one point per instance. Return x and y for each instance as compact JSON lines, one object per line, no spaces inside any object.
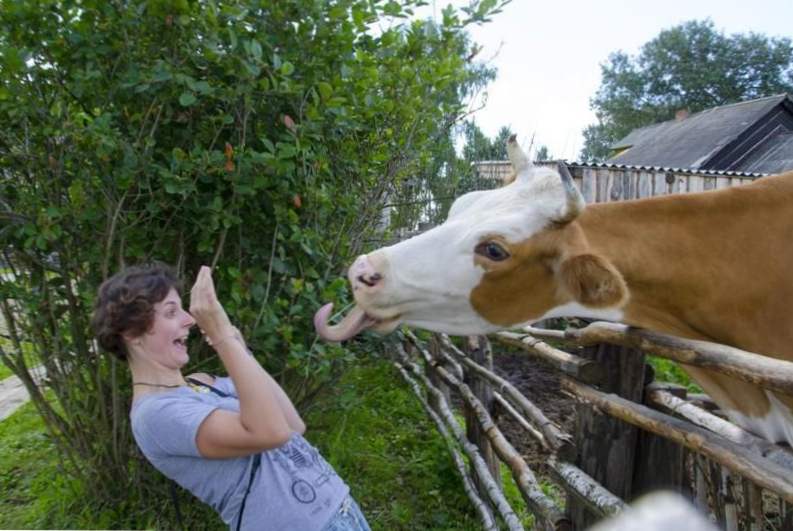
{"x":601,"y":184}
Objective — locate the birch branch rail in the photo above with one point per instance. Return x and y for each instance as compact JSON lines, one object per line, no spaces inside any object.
{"x":747,"y":366}
{"x":574,"y":480}
{"x":579,"y":368}
{"x":477,"y":462}
{"x":555,"y":439}
{"x":585,"y":488}
{"x":733,"y":456}
{"x":485,"y":514}
{"x":728,"y":430}
{"x":540,"y":504}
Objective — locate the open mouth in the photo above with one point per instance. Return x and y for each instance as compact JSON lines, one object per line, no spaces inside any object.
{"x":181,"y":342}
{"x":355,"y":322}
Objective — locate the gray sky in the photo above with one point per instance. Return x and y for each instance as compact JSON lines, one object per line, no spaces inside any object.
{"x":548,"y":55}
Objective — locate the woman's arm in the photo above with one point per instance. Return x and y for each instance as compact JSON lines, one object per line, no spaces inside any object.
{"x":288,"y":408}
{"x":260,"y":423}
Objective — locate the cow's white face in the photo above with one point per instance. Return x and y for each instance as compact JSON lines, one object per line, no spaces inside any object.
{"x":495,"y":262}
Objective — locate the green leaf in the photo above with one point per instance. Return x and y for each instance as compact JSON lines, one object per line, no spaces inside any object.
{"x":256,"y":50}
{"x":325,"y":90}
{"x":187,"y":99}
{"x":287,"y":68}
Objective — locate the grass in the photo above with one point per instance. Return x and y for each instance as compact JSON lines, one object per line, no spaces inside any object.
{"x":28,"y":469}
{"x":369,"y":427}
{"x":669,"y":371}
{"x":30,"y":358}
{"x":5,"y":372}
{"x":379,"y":440}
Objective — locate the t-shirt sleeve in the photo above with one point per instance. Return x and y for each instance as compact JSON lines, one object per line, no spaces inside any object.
{"x":171,"y":424}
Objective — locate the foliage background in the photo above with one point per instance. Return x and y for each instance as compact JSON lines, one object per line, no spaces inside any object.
{"x":263,"y":138}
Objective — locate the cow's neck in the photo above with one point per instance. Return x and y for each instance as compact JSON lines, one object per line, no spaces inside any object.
{"x":712,"y":266}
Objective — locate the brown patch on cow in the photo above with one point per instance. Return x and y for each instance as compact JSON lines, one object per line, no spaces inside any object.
{"x":593,"y":281}
{"x":525,"y":286}
{"x":785,"y":399}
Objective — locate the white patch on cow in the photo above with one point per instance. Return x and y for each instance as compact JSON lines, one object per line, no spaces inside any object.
{"x":575,"y":309}
{"x":776,"y":426}
{"x":428,"y":279}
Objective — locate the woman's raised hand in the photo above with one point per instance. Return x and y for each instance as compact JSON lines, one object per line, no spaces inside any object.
{"x":205,"y":308}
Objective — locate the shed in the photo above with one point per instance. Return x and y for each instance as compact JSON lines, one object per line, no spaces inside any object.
{"x":753,"y":136}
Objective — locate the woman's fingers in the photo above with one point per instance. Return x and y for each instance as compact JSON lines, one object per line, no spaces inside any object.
{"x":204,"y":304}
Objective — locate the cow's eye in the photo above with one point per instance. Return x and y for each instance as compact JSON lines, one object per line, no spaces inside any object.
{"x":492,"y":251}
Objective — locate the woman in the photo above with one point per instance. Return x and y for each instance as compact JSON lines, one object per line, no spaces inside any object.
{"x":235,"y":442}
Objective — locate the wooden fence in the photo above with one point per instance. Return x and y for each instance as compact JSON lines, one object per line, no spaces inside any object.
{"x":633,"y":435}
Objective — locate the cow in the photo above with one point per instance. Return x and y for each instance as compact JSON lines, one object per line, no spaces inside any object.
{"x":713,"y":266}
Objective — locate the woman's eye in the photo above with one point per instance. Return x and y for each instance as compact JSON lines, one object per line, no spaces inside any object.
{"x":492,"y":251}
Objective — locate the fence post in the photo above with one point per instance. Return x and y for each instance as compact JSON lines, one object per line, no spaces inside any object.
{"x":607,"y":446}
{"x":661,"y":463}
{"x":478,"y":348}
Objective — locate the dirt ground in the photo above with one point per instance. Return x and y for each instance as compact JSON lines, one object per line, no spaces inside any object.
{"x":540,"y":384}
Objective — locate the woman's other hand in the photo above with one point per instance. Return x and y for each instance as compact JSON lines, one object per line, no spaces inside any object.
{"x":207,"y":310}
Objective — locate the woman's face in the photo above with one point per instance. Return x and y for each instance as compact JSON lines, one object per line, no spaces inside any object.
{"x":166,"y":340}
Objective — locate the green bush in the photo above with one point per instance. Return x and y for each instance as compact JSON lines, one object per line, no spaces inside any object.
{"x":260,"y":137}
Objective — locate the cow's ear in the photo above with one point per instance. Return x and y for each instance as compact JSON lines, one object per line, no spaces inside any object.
{"x":593,"y":281}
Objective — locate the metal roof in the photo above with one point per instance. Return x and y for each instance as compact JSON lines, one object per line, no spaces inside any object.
{"x":638,"y":167}
{"x":692,"y":141}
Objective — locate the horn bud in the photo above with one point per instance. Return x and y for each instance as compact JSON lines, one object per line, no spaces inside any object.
{"x":517,"y":157}
{"x":574,"y":201}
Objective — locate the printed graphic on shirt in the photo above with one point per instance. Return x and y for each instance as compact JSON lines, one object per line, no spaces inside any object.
{"x":305,"y":467}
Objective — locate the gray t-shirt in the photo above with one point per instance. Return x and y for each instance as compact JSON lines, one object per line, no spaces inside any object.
{"x":295,"y":489}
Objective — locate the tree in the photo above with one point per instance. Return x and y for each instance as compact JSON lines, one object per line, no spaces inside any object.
{"x":691,"y":66}
{"x":259,"y":137}
{"x":542,"y":154}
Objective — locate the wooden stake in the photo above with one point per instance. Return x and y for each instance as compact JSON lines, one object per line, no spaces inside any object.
{"x":579,"y":368}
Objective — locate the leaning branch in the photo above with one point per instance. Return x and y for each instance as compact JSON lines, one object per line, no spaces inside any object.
{"x":477,"y":462}
{"x":488,"y":521}
{"x":538,"y":502}
{"x":579,"y":368}
{"x":555,"y":439}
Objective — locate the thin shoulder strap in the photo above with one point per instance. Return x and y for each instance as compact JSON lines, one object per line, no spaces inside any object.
{"x":210,"y":387}
{"x":175,"y":499}
{"x":257,"y":459}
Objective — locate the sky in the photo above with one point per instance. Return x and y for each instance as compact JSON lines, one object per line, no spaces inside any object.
{"x":548,"y":55}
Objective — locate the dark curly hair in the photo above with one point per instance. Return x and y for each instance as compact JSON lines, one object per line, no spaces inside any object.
{"x":125,"y":304}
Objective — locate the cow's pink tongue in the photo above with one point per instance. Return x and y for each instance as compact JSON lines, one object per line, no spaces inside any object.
{"x":352,"y":324}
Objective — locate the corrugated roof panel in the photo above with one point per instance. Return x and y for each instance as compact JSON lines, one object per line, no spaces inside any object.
{"x":481,"y":165}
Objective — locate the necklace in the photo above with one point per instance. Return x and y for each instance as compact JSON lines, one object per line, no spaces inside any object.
{"x":159,"y":385}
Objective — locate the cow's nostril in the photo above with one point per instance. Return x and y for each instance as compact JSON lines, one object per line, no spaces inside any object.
{"x":371,"y":280}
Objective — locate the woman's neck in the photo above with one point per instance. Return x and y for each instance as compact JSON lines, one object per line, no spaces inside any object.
{"x":150,"y":378}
